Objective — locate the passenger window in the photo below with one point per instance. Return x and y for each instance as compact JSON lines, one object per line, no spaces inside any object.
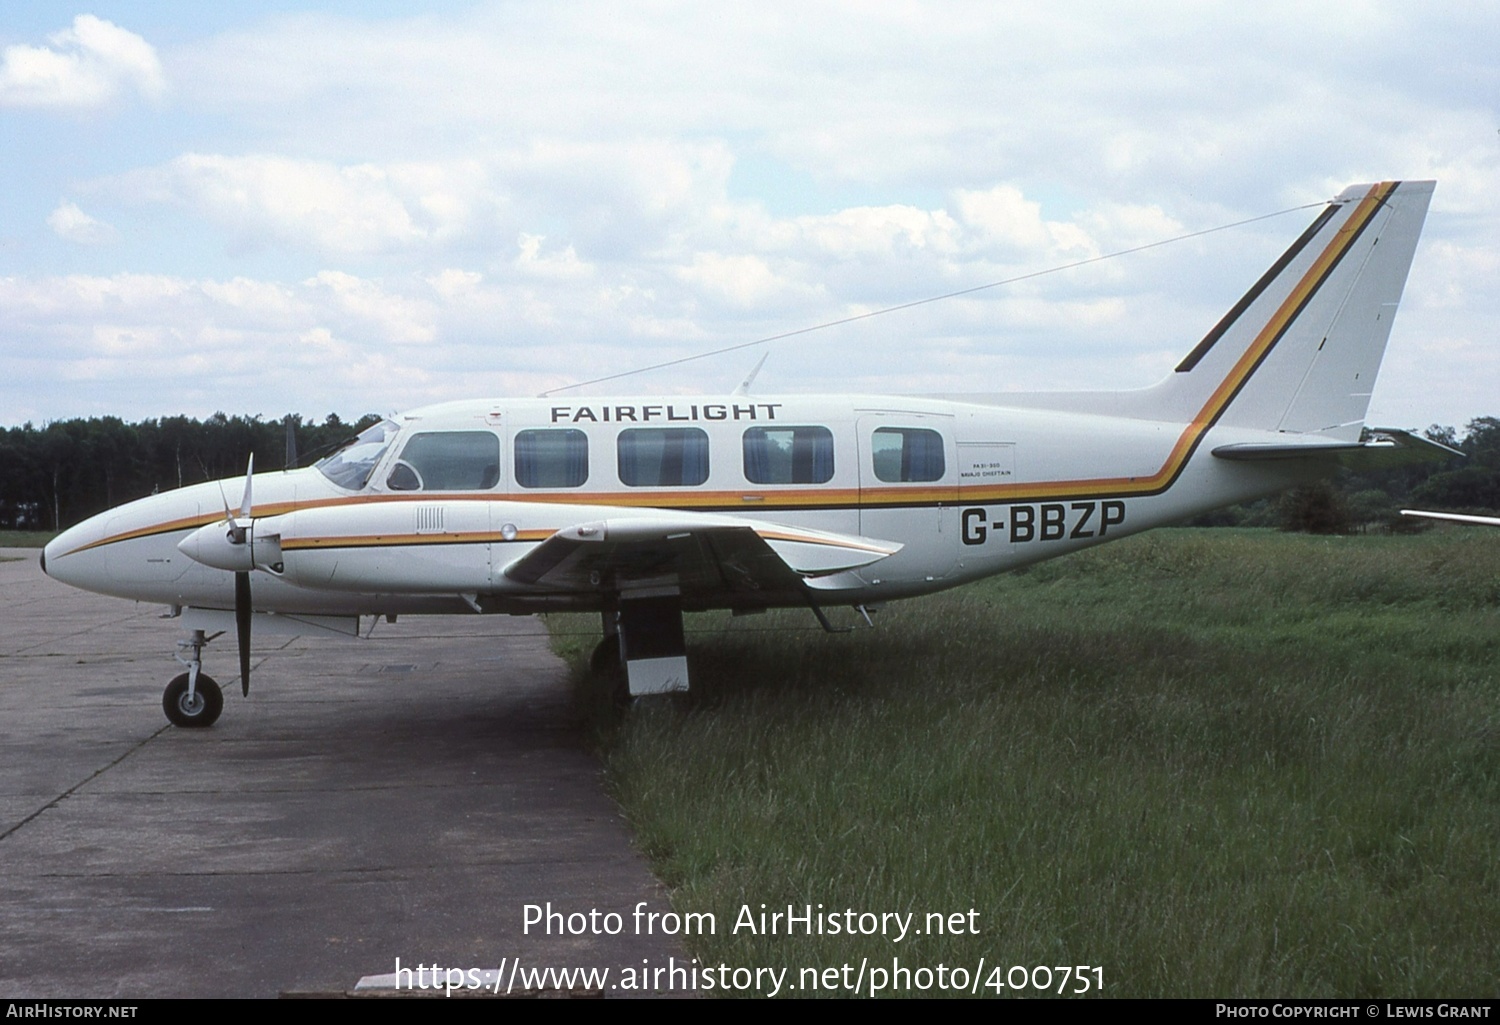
{"x":663,"y":457}
{"x":552,"y":459}
{"x":908,"y":454}
{"x":788,"y":455}
{"x":447,"y":461}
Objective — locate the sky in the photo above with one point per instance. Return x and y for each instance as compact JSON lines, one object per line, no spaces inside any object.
{"x":346,"y":207}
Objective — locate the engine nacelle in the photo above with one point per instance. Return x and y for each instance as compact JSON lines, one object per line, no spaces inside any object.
{"x":393,"y":547}
{"x":237,"y":546}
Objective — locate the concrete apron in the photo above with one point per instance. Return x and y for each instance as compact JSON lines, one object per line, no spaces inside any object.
{"x":403,"y":797}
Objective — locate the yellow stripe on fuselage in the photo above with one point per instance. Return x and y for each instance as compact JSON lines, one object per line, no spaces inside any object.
{"x":387,"y":540}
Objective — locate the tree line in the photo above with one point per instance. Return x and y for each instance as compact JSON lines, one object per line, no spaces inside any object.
{"x":56,"y":475}
{"x":1351,"y":502}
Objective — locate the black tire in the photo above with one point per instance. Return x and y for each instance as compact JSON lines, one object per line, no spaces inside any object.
{"x":207,"y":703}
{"x":606,"y":657}
{"x":609,"y":670}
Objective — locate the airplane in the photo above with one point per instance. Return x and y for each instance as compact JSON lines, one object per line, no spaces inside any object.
{"x":643,"y":508}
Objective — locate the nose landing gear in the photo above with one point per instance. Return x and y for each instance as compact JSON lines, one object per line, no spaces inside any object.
{"x":193,"y":699}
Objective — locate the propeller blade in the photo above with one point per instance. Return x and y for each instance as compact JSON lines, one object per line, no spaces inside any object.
{"x":242,"y":627}
{"x":291,"y":443}
{"x":249,"y":476}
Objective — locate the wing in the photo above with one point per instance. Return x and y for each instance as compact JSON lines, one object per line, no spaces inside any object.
{"x":1486,"y":521}
{"x":707,"y":557}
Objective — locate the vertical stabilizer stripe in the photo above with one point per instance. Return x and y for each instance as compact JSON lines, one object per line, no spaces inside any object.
{"x":1233,"y":383}
{"x":1201,"y":349}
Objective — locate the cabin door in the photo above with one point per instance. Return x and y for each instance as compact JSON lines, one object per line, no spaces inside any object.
{"x":908,"y":492}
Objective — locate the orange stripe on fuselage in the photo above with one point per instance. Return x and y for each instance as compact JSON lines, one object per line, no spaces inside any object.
{"x":384,"y":540}
{"x":490,"y":537}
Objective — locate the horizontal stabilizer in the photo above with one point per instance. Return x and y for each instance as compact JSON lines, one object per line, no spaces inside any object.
{"x":1379,"y":449}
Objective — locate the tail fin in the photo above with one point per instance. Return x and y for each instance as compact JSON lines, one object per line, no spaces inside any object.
{"x":1299,"y":353}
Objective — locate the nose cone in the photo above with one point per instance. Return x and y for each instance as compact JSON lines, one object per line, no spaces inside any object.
{"x":74,"y":557}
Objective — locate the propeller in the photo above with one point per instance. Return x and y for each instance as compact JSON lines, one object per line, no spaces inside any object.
{"x":242,"y":587}
{"x":291,"y":443}
{"x":242,"y":627}
{"x":232,"y":544}
{"x":238,"y":533}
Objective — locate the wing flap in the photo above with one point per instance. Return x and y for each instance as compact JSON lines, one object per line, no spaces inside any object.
{"x":700,"y":554}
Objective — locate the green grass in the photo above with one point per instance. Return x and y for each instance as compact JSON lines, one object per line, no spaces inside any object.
{"x":1215,"y":763}
{"x":25,"y":538}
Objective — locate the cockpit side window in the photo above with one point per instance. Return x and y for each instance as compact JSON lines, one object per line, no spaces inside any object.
{"x":350,"y":467}
{"x":447,"y":461}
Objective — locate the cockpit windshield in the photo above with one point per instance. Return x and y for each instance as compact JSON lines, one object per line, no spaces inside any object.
{"x":350,"y":466}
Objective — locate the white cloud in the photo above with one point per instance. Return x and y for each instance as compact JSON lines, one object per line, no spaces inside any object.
{"x":880,"y":232}
{"x":70,"y":223}
{"x":332,"y":342}
{"x":943,"y":95}
{"x":1004,"y":217}
{"x":350,"y":209}
{"x":87,"y":65}
{"x":533,"y":261}
{"x":379,"y":312}
{"x":451,"y":282}
{"x":556,"y":191}
{"x":744,"y":281}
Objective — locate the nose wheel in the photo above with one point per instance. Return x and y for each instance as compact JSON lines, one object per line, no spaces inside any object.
{"x":193,"y":699}
{"x":196,"y":707}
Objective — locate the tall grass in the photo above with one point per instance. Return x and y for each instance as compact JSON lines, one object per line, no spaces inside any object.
{"x":1215,"y":763}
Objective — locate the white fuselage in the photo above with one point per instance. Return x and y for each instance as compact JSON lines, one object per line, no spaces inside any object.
{"x":983,"y":489}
